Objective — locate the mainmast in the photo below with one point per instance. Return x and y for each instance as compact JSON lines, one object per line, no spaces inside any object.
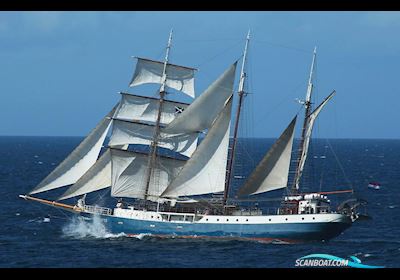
{"x":241,"y":94}
{"x":303,"y":142}
{"x":153,"y":146}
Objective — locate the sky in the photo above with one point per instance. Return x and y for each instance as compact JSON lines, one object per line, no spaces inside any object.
{"x":60,"y":72}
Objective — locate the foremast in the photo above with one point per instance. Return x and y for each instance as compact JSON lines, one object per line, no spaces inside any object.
{"x":304,"y":142}
{"x":153,"y":146}
{"x":241,"y":94}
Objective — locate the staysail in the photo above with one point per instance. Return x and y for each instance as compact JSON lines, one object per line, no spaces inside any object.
{"x":311,"y":119}
{"x":80,"y":160}
{"x":273,"y":170}
{"x":96,"y":178}
{"x":180,"y":78}
{"x":204,"y":172}
{"x":202,"y":112}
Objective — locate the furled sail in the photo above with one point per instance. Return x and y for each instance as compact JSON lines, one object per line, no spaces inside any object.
{"x":311,"y":119}
{"x":129,"y":174}
{"x":202,"y":112}
{"x":80,"y":160}
{"x":273,"y":170}
{"x":180,"y":78}
{"x":205,"y":171}
{"x":96,"y":178}
{"x":145,"y":109}
{"x":124,"y":132}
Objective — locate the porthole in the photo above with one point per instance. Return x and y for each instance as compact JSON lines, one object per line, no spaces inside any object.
{"x":217,"y":220}
{"x":269,"y":219}
{"x":247,"y":220}
{"x":237,"y":220}
{"x":227,"y":220}
{"x":313,"y":218}
{"x":206,"y":219}
{"x":286,"y":219}
{"x":302,"y":218}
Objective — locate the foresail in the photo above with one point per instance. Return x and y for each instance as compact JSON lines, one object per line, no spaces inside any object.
{"x":145,"y":109}
{"x":311,"y":119}
{"x":128,"y":171}
{"x":124,"y":132}
{"x":273,"y":170}
{"x":205,"y":171}
{"x":80,"y":160}
{"x":202,"y":112}
{"x":178,"y":77}
{"x":96,"y":178}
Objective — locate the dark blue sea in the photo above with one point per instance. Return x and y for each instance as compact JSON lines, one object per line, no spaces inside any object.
{"x":28,"y":241}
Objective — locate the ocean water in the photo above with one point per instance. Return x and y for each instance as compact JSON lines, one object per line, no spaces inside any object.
{"x":28,"y":239}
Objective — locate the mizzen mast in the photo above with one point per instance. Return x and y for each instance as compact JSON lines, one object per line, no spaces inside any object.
{"x":153,"y":146}
{"x":303,"y":147}
{"x":241,"y":94}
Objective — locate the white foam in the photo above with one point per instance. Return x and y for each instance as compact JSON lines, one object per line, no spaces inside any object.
{"x":140,"y":236}
{"x":79,"y":227}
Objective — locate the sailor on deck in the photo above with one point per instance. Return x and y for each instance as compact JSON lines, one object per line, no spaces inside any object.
{"x":120,"y":203}
{"x":81,"y":202}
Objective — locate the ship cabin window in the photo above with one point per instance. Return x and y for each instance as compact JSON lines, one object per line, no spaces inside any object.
{"x":217,"y":220}
{"x":227,"y":220}
{"x":188,"y":218}
{"x":237,"y":220}
{"x":269,"y":219}
{"x":164,"y":217}
{"x":176,"y":218}
{"x":247,"y":220}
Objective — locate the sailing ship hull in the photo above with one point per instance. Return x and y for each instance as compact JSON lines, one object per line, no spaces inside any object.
{"x":286,"y":228}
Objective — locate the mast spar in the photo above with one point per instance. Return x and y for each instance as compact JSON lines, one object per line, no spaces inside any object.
{"x":153,"y":147}
{"x":241,"y":94}
{"x":303,"y":146}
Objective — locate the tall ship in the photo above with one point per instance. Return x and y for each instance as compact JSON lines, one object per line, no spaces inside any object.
{"x":167,"y":165}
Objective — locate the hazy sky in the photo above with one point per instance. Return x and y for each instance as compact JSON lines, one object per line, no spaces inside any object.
{"x":60,"y":72}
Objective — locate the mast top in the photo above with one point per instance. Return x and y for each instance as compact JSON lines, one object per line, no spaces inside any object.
{"x":170,"y":38}
{"x":164,"y":73}
{"x":242,"y":74}
{"x":310,"y":84}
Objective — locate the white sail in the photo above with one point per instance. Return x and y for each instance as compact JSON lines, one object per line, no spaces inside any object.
{"x":96,"y":178}
{"x":205,"y":171}
{"x":202,"y":112}
{"x":145,"y":109}
{"x":311,"y":119}
{"x":177,"y":77}
{"x":124,"y":132}
{"x":129,"y":174}
{"x":273,"y":170}
{"x":80,"y":159}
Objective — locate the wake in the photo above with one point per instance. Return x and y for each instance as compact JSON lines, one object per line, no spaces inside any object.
{"x":81,"y":228}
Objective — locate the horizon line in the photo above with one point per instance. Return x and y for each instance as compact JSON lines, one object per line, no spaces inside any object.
{"x":230,"y":137}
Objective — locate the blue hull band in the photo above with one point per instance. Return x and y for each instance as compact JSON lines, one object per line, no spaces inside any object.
{"x":277,"y":231}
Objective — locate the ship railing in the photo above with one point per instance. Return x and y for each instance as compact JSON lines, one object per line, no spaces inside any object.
{"x":97,"y":210}
{"x":271,"y":210}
